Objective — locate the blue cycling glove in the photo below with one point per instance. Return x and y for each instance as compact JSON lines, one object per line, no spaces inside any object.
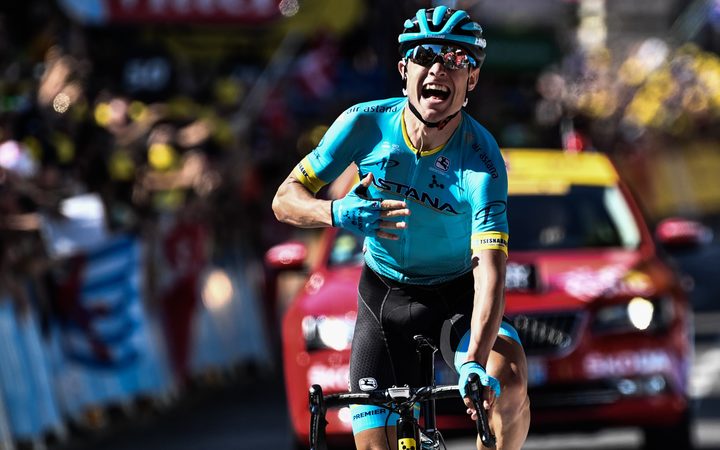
{"x":486,"y":380}
{"x":357,"y":212}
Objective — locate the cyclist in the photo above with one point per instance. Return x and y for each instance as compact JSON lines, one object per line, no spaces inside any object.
{"x":431,"y":203}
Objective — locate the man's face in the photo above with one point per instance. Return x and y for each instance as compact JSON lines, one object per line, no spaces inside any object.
{"x":437,"y":91}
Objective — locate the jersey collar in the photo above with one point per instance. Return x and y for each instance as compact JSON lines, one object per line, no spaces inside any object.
{"x":418,"y":152}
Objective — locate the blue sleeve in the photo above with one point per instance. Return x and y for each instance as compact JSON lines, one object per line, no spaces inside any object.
{"x":487,"y":187}
{"x":333,"y":154}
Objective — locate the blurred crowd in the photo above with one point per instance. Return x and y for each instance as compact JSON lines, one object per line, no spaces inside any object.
{"x":672,"y":92}
{"x":183,"y":148}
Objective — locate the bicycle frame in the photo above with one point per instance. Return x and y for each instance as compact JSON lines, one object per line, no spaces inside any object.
{"x":402,"y":400}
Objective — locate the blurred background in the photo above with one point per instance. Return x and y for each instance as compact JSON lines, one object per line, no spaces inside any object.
{"x":142,"y":141}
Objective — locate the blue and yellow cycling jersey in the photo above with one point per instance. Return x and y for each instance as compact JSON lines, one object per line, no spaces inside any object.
{"x":456,"y":193}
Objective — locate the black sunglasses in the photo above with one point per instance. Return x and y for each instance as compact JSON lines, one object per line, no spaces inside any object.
{"x":451,"y":57}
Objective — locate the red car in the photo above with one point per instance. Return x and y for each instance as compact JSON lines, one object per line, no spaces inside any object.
{"x":604,"y":321}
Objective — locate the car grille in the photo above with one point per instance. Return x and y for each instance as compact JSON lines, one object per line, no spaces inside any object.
{"x":548,"y":333}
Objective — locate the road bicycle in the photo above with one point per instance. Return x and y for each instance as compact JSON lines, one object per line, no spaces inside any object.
{"x":402,"y":400}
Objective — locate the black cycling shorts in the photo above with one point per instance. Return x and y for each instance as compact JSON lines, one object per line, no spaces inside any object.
{"x":390,"y":313}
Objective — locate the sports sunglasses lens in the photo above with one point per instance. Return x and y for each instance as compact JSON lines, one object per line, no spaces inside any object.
{"x":424,"y":55}
{"x":450,"y":57}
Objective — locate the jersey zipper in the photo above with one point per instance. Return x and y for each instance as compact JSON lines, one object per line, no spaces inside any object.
{"x":411,"y":184}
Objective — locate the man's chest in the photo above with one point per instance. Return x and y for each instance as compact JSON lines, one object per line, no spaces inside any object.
{"x":431,"y":180}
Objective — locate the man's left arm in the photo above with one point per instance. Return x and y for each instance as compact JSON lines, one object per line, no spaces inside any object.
{"x":488,"y":308}
{"x":487,"y":194}
{"x":488,"y":303}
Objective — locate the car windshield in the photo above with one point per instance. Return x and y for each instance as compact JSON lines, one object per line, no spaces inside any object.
{"x":582,"y":217}
{"x":346,"y":250}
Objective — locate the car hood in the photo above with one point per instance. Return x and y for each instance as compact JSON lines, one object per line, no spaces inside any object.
{"x":572,"y":279}
{"x":330,"y":291}
{"x":563,"y":280}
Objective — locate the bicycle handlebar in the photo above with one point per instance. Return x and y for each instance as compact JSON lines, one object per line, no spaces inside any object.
{"x":397,"y":396}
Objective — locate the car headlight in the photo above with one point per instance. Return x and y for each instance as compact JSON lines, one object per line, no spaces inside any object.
{"x":328,"y":332}
{"x":638,"y":314}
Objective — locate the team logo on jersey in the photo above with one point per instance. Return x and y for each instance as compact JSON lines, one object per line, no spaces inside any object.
{"x":387,"y":145}
{"x":434,"y":183}
{"x":411,"y":193}
{"x":486,"y":160}
{"x":368,"y":384}
{"x":491,"y":209}
{"x":387,"y":163}
{"x":381,"y":109}
{"x":442,"y":163}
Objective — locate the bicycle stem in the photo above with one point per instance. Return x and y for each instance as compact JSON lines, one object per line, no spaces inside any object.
{"x":426,"y":354}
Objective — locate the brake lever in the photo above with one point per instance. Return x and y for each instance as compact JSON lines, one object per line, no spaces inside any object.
{"x":317,"y":418}
{"x":474,"y":388}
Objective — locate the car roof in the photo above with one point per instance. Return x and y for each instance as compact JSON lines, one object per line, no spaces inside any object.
{"x":535,"y":171}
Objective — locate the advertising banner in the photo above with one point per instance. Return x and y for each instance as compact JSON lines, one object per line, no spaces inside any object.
{"x":99,"y":12}
{"x":106,"y":347}
{"x":99,"y":304}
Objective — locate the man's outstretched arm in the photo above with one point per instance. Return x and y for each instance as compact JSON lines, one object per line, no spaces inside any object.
{"x":296,"y":205}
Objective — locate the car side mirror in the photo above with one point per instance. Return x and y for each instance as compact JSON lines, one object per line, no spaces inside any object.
{"x":287,"y":256}
{"x":678,"y":233}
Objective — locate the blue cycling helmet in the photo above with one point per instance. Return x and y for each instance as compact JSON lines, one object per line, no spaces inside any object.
{"x":443,"y":25}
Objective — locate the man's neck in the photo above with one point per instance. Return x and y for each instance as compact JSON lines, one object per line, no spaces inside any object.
{"x":424,"y":137}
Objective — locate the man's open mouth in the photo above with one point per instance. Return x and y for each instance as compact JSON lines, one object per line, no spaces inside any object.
{"x":435,"y":90}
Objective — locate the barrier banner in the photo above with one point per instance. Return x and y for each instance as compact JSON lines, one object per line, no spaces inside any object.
{"x":82,"y":226}
{"x":172,"y":11}
{"x":6,"y":442}
{"x":105,"y":348}
{"x":98,"y":304}
{"x":25,"y":378}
